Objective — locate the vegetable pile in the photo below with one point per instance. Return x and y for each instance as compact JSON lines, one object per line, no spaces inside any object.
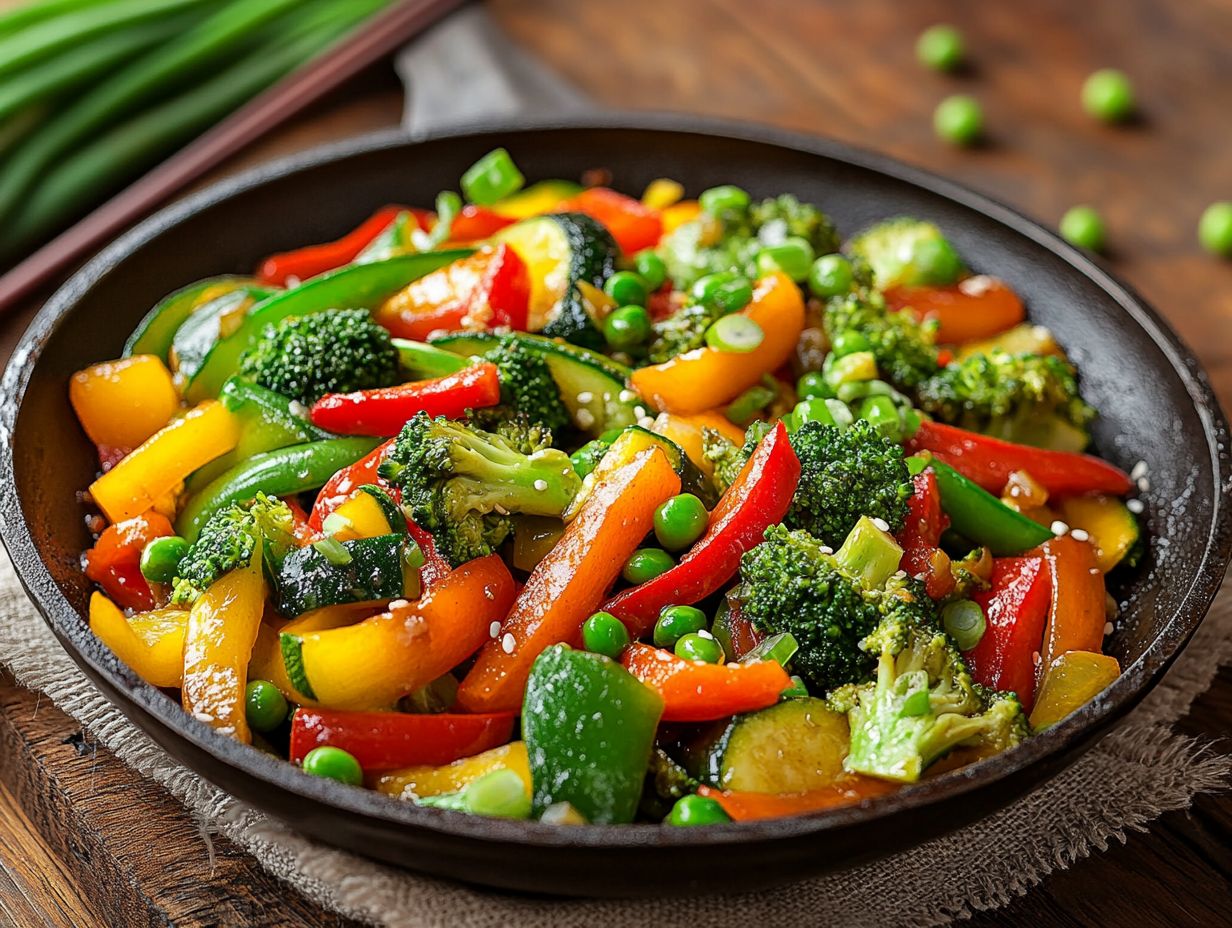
{"x":554,"y":503}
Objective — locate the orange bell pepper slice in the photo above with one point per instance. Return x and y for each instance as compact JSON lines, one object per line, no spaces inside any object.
{"x":570,"y":582}
{"x":122,"y":403}
{"x":694,"y":691}
{"x":686,"y":431}
{"x":114,"y":563}
{"x":975,"y":308}
{"x":705,"y":378}
{"x":1070,"y":682}
{"x":747,"y":807}
{"x":1077,"y":615}
{"x":151,"y":643}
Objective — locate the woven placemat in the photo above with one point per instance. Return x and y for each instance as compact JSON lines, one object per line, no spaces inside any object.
{"x":1134,"y":774}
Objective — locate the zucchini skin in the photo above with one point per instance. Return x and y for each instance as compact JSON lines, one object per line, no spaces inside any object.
{"x":592,"y":259}
{"x":307,"y":580}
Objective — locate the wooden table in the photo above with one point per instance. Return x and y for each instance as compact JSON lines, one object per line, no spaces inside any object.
{"x":85,"y":842}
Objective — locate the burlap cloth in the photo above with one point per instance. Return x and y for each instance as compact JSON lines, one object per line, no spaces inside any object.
{"x":1134,"y":774}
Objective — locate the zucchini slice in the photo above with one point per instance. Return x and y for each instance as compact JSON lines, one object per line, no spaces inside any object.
{"x":209,"y":323}
{"x":562,"y":251}
{"x":379,"y":570}
{"x":1114,"y":530}
{"x":155,"y":332}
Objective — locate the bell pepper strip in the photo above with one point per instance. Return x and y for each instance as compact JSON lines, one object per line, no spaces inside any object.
{"x":122,"y":403}
{"x":114,"y":563}
{"x":633,"y":224}
{"x":974,"y":308}
{"x":383,"y":741}
{"x":979,"y":516}
{"x":734,"y":631}
{"x":1077,"y":616}
{"x":1071,"y":681}
{"x":267,"y":664}
{"x":758,"y":498}
{"x":706,"y":378}
{"x":284,"y":472}
{"x":222,"y":629}
{"x":150,"y":643}
{"x":372,"y":664}
{"x":570,"y":582}
{"x":346,"y":482}
{"x":301,"y":531}
{"x":474,"y":223}
{"x":990,"y":461}
{"x":686,"y":431}
{"x":589,"y":727}
{"x":1015,"y":611}
{"x":294,"y":266}
{"x":694,"y":691}
{"x":161,"y":462}
{"x":920,"y":537}
{"x":419,"y":782}
{"x":489,"y":289}
{"x":747,"y":807}
{"x":383,"y":411}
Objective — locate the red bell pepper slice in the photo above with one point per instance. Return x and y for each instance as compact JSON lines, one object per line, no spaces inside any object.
{"x":384,"y":411}
{"x":1078,"y":613}
{"x":477,"y":222}
{"x":741,"y":634}
{"x":1015,"y":609}
{"x":317,"y":259}
{"x":975,"y":308}
{"x":114,"y":563}
{"x":990,"y":461}
{"x":633,"y":224}
{"x":390,"y":740}
{"x":694,"y":691}
{"x":758,"y":498}
{"x":920,"y":537}
{"x":489,"y":289}
{"x":746,"y":806}
{"x":301,"y":528}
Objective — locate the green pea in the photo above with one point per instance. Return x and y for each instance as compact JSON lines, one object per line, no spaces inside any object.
{"x":627,"y":288}
{"x":680,"y":521}
{"x":849,"y":343}
{"x":959,"y":119}
{"x":1083,"y":226}
{"x":605,"y":634}
{"x":333,"y":764}
{"x":815,"y":409}
{"x":264,"y":705}
{"x":813,"y":386}
{"x":696,"y":810}
{"x":794,"y":257}
{"x":651,"y":267}
{"x":646,"y":564}
{"x":881,"y":412}
{"x":724,"y":291}
{"x":830,"y":275}
{"x":1215,"y":229}
{"x":721,"y":199}
{"x":161,"y":558}
{"x":940,"y":48}
{"x":1108,"y":95}
{"x":627,"y":327}
{"x":937,"y":262}
{"x":699,"y":646}
{"x":675,"y":622}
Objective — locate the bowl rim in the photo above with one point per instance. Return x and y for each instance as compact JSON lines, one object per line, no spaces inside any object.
{"x":149,"y":703}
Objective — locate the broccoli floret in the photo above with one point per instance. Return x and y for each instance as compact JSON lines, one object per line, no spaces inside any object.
{"x":517,"y":428}
{"x":827,"y":600}
{"x":845,"y":474}
{"x":228,"y":541}
{"x":682,"y":331}
{"x":731,"y":240}
{"x":336,"y":351}
{"x":463,"y":484}
{"x":901,"y":345}
{"x":906,"y":252}
{"x":1026,"y":398}
{"x":921,"y":704}
{"x":527,"y":385}
{"x":728,"y":457}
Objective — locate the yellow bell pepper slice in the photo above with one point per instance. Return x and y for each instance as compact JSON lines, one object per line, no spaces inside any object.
{"x":122,"y":403}
{"x":151,"y":643}
{"x":706,"y":378}
{"x":662,"y":192}
{"x":222,"y":629}
{"x":359,"y":517}
{"x":679,"y":213}
{"x":266,"y":663}
{"x":1070,"y":682}
{"x":164,"y":460}
{"x":424,"y":781}
{"x":686,"y":431}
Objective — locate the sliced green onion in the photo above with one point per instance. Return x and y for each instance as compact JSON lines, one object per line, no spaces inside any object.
{"x":780,"y":648}
{"x":413,"y":555}
{"x":499,"y":794}
{"x":492,"y":177}
{"x":744,"y":408}
{"x":964,"y":622}
{"x":334,"y":523}
{"x":735,"y":333}
{"x":448,"y":205}
{"x":797,"y":690}
{"x":794,"y":257}
{"x":333,"y":551}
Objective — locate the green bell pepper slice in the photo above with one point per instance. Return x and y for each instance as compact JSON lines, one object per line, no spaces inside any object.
{"x":589,"y":727}
{"x":155,"y":333}
{"x":289,"y":470}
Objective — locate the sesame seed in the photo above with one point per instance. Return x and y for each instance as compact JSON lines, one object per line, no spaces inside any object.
{"x":702,"y":633}
{"x":826,"y":549}
{"x":627,"y":396}
{"x":1107,"y":629}
{"x":1135,"y":506}
{"x":541,"y":484}
{"x":1036,"y":659}
{"x":881,"y":524}
{"x":1144,"y":485}
{"x":585,"y":397}
{"x":584,"y":418}
{"x":1139,"y":470}
{"x":1058,"y":527}
{"x":298,"y":409}
{"x":501,"y":510}
{"x":507,"y":643}
{"x":292,"y":281}
{"x":494,"y":629}
{"x":646,"y":422}
{"x":899,"y":574}
{"x":639,"y":412}
{"x":395,"y":604}
{"x":1079,"y":535}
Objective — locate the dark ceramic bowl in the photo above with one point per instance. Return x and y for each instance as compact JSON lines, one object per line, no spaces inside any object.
{"x":1157,"y":407}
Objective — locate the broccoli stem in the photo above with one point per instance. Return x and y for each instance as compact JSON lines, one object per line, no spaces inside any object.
{"x":869,"y":554}
{"x":497,"y":478}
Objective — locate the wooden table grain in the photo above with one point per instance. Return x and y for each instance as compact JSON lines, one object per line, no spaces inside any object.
{"x":85,"y":842}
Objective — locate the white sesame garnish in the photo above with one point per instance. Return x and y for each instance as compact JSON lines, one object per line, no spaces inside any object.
{"x":541,"y":484}
{"x":881,"y":524}
{"x":1107,"y":629}
{"x":1093,"y":571}
{"x":298,"y":409}
{"x":646,"y":422}
{"x":494,"y":630}
{"x":395,"y":604}
{"x":702,"y":633}
{"x":1139,"y":470}
{"x":1079,"y":535}
{"x":584,"y":418}
{"x":826,"y":549}
{"x":585,"y":397}
{"x":507,"y":643}
{"x":627,"y":396}
{"x":501,"y":510}
{"x":639,"y":412}
{"x":1135,"y":506}
{"x":1058,"y":527}
{"x":1144,"y":485}
{"x":1036,"y":659}
{"x":292,"y":281}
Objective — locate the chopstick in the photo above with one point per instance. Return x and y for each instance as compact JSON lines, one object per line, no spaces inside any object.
{"x":381,"y":37}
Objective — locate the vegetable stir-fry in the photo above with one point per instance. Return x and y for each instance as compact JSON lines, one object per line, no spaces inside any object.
{"x":555,"y":503}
